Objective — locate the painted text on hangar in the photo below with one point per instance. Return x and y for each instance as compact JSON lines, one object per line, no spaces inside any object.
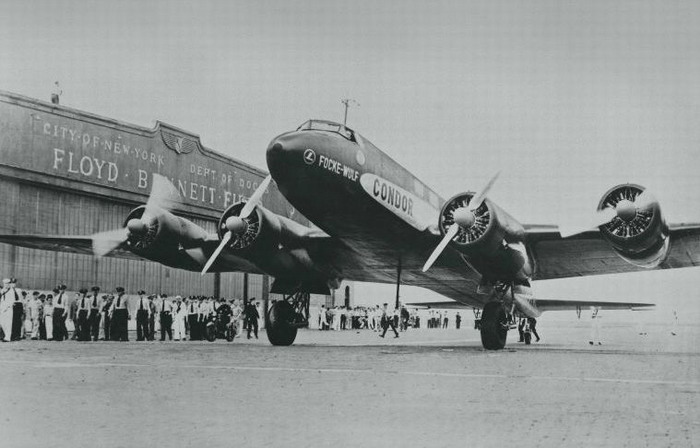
{"x":60,"y":142}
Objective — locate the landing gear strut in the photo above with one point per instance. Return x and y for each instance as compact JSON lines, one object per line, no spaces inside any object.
{"x":285,"y":317}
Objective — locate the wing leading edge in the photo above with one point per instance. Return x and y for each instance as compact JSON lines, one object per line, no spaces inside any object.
{"x":589,"y":254}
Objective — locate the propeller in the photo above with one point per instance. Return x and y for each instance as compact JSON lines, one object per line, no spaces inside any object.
{"x":163,"y":196}
{"x":625,"y":209}
{"x":236,"y":225}
{"x":464,"y":218}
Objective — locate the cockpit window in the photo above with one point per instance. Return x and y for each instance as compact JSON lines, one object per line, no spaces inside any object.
{"x":329,"y":126}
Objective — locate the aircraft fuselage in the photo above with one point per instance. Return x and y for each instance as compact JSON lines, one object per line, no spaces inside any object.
{"x":352,"y":190}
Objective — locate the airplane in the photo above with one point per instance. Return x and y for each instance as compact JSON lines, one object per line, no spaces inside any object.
{"x":373,"y":221}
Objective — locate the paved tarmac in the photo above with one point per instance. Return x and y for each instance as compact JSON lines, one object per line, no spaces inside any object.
{"x":427,"y":388}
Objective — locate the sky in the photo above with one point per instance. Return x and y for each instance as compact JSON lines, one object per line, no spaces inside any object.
{"x":565,"y":98}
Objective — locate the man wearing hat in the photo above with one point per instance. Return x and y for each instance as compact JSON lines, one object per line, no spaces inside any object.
{"x":82,"y":328}
{"x":193,"y":319}
{"x":33,"y":316}
{"x":107,"y":300}
{"x":142,"y":314}
{"x":165,"y":313}
{"x":6,"y":310}
{"x":40,"y":314}
{"x":59,"y":314}
{"x":179,"y":313}
{"x":120,"y":317}
{"x":17,"y":311}
{"x":152,"y":311}
{"x":48,"y":317}
{"x":251,"y":317}
{"x":94,"y":315}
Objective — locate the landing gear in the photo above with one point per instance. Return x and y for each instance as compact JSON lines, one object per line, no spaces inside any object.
{"x":494,"y":326}
{"x":285,"y":317}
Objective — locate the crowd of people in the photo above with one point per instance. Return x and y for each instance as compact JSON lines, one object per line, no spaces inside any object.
{"x":94,"y":316}
{"x":90,"y":315}
{"x":378,"y":318}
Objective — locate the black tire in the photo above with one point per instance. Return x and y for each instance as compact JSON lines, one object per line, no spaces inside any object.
{"x":278,"y":329}
{"x":494,"y":326}
{"x":528,"y":338}
{"x":211,"y":333}
{"x":230,"y":335}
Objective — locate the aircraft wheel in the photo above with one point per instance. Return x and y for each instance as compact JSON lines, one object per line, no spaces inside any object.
{"x":211,"y":333}
{"x":277,"y":324}
{"x":494,"y":326}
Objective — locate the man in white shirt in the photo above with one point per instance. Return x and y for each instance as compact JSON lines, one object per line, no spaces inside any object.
{"x":142,"y":314}
{"x":82,"y":327}
{"x":595,"y":326}
{"x":165,"y":314}
{"x":60,"y":303}
{"x":48,"y":317}
{"x":33,"y":316}
{"x":94,"y":317}
{"x":193,"y":318}
{"x":17,"y":310}
{"x":179,"y":312}
{"x":322,"y":323}
{"x":237,"y":317}
{"x":119,"y":313}
{"x":388,"y":321}
{"x":6,"y":301}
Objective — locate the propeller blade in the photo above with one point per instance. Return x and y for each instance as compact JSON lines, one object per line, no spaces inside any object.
{"x":255,"y":198}
{"x":164,"y":195}
{"x":601,"y":218}
{"x":105,"y":242}
{"x":451,"y":232}
{"x":220,"y":247}
{"x":644,"y":200}
{"x":479,"y":197}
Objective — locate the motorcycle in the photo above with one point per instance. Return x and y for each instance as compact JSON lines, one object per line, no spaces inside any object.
{"x":221,"y":327}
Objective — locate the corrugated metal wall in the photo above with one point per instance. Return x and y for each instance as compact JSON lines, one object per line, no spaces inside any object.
{"x":38,"y":210}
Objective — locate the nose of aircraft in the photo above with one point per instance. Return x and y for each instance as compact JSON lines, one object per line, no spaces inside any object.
{"x":283,"y":153}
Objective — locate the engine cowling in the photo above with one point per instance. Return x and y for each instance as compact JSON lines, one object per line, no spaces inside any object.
{"x":261,"y":229}
{"x":272,"y":243}
{"x":492,"y":242}
{"x":160,"y":232}
{"x":638,"y":233}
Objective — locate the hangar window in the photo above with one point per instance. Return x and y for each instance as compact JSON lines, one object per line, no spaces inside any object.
{"x":328,"y":126}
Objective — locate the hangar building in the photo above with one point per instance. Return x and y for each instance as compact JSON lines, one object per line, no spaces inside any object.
{"x":69,"y":172}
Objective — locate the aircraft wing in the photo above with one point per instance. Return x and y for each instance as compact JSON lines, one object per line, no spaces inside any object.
{"x":589,"y":254}
{"x":79,"y":244}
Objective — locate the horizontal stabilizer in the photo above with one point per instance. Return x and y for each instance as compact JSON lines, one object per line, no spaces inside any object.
{"x":547,"y":305}
{"x":564,"y":305}
{"x":451,"y":305}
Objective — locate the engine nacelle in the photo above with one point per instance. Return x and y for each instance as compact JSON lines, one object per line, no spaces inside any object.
{"x":263,"y":230}
{"x":638,"y":234}
{"x":493,"y":243}
{"x":160,"y":232}
{"x":273,"y":243}
{"x":489,"y":228}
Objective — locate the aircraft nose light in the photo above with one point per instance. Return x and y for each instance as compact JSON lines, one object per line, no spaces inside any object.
{"x":236,"y":225}
{"x":136,"y":226}
{"x":464,"y":217}
{"x":626,"y":210}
